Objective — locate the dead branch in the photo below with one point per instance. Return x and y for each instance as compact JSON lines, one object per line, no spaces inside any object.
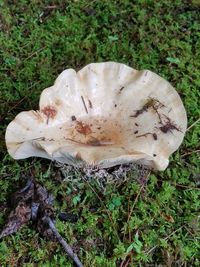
{"x":64,"y":244}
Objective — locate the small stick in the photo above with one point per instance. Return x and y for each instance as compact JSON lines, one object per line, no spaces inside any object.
{"x":84,"y":104}
{"x":166,"y":238}
{"x":125,"y":263}
{"x":135,"y":201}
{"x":154,"y":135}
{"x":17,"y":104}
{"x":188,"y":230}
{"x":64,"y":244}
{"x":34,"y":53}
{"x":27,"y":186}
{"x":159,"y":116}
{"x":193,"y":124}
{"x":122,"y":263}
{"x":185,"y":186}
{"x":182,"y":186}
{"x":50,"y":7}
{"x":107,"y":211}
{"x":189,"y":153}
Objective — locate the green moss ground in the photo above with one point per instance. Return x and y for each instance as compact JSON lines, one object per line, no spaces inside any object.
{"x":39,"y":39}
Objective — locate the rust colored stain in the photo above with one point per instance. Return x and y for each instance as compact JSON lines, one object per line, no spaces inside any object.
{"x":49,"y":111}
{"x":83,"y":128}
{"x":95,"y":132}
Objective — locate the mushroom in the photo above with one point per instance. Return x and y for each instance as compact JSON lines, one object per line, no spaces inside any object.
{"x":104,"y":115}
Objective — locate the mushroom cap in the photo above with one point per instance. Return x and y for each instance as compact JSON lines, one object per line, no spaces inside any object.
{"x":104,"y":115}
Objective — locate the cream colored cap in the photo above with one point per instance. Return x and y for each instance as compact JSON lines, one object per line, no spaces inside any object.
{"x":104,"y":115}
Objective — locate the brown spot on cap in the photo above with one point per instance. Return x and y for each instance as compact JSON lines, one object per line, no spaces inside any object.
{"x":83,"y":128}
{"x":49,"y":111}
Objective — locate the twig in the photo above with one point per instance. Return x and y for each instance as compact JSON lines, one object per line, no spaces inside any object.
{"x":17,"y":104}
{"x":50,"y":7}
{"x":27,"y":186}
{"x":193,"y":124}
{"x":34,"y":53}
{"x":189,"y":153}
{"x":185,"y":186}
{"x":64,"y":244}
{"x":180,"y":185}
{"x":122,"y":263}
{"x":188,"y":230}
{"x":125,"y":262}
{"x":136,"y":199}
{"x":167,"y":237}
{"x":82,"y":98}
{"x":109,"y":215}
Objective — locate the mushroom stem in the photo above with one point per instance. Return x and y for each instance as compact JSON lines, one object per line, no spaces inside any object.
{"x":64,"y":244}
